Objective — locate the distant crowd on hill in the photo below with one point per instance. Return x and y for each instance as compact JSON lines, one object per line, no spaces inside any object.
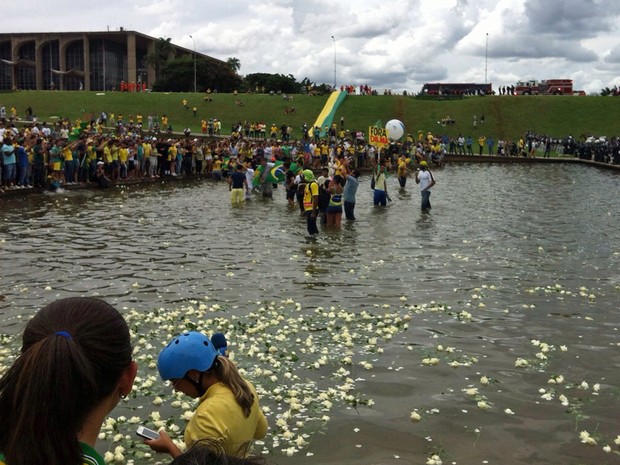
{"x":39,"y":155}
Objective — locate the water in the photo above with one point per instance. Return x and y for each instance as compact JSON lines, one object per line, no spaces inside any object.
{"x":509,"y":255}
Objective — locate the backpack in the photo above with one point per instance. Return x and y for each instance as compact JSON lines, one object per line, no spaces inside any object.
{"x":324,"y":197}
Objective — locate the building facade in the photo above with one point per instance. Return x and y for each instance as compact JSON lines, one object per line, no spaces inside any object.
{"x":94,"y":61}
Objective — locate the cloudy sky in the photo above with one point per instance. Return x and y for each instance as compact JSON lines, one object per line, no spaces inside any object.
{"x":395,"y":44}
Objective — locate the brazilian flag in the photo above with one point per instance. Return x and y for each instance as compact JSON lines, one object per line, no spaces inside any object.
{"x":277,"y":173}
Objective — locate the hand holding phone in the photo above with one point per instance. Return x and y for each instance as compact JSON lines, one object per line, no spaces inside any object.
{"x":146,"y":433}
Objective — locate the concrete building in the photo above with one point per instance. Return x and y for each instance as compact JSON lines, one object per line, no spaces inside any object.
{"x":96,"y":61}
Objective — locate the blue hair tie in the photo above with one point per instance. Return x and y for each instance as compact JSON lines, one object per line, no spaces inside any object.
{"x":64,"y":334}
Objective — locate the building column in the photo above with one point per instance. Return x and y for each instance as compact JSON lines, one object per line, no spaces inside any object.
{"x":38,"y":73}
{"x":132,"y":70}
{"x":150,"y":69}
{"x":14,"y":57}
{"x":86,"y":52}
{"x":62,"y":59}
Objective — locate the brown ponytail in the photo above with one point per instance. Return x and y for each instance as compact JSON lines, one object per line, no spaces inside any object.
{"x":73,"y":354}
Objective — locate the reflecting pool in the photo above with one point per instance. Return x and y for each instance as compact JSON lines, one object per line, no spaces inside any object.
{"x":483,"y":332}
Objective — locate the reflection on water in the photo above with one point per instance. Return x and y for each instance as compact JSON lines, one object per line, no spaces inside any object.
{"x":515,"y":253}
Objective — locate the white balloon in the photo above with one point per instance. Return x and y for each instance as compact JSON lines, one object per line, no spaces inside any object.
{"x":395,"y":129}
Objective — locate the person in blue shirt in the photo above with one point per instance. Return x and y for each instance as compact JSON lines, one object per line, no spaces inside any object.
{"x":8,"y":160}
{"x":23,"y":167}
{"x":490,"y":143}
{"x":469,"y":142}
{"x":349,"y":193}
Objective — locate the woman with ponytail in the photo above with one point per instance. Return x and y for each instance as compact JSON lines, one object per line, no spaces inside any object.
{"x":228,"y":411}
{"x":74,"y":367}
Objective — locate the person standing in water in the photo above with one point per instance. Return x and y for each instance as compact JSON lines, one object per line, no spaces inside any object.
{"x":426,"y":180}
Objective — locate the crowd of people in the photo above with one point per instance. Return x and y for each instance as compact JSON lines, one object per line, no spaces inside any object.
{"x":114,"y":148}
{"x":40,"y":155}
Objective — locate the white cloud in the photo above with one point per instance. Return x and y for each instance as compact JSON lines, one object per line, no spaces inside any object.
{"x":398,"y":45}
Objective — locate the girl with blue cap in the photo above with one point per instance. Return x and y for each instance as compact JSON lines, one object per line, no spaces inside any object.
{"x":228,"y":411}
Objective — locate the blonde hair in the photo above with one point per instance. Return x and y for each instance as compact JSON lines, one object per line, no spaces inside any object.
{"x":227,"y":373}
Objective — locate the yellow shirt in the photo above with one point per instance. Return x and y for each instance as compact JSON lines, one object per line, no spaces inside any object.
{"x":107,"y":155}
{"x":148,"y":150}
{"x":123,"y":154}
{"x":172,"y":152}
{"x":220,"y":417}
{"x":338,"y":168}
{"x":67,"y":154}
{"x":311,"y":191}
{"x":91,"y":154}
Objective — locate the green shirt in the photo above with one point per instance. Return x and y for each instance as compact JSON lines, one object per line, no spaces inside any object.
{"x":90,"y":456}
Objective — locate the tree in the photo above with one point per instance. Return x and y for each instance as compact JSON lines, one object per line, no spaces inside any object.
{"x":234,"y":64}
{"x":272,"y":83}
{"x":177,"y":75}
{"x":162,"y":52}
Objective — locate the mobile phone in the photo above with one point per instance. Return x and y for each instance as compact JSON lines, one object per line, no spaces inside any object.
{"x":146,"y":433}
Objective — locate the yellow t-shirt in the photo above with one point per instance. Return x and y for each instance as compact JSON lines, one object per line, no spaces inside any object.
{"x":220,"y":417}
{"x":338,"y":168}
{"x":91,"y":154}
{"x":67,"y":154}
{"x":172,"y":153}
{"x":107,"y":154}
{"x":148,"y":150}
{"x":311,"y":190}
{"x":402,"y":167}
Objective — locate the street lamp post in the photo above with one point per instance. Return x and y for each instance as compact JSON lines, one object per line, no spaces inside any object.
{"x":486,"y":58}
{"x":334,"y":40}
{"x":194,"y":62}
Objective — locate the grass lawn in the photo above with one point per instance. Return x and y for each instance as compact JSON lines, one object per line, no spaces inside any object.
{"x":505,"y":116}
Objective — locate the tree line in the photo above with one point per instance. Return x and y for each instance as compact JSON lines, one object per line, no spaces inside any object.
{"x":176,"y":74}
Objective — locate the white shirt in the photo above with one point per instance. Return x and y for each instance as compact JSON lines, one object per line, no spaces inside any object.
{"x":425,"y":177}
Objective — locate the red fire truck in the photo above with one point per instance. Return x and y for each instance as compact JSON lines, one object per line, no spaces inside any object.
{"x":548,"y":87}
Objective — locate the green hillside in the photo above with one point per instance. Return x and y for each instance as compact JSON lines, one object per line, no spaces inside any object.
{"x":505,"y":116}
